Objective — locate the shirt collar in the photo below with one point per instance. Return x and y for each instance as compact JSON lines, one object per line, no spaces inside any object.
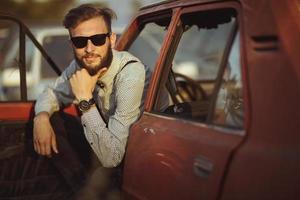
{"x":113,"y":69}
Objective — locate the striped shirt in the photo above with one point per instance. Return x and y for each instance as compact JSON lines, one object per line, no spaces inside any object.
{"x":119,"y":99}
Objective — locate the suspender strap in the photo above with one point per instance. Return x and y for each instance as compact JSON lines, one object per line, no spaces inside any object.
{"x":130,"y":61}
{"x":99,"y":109}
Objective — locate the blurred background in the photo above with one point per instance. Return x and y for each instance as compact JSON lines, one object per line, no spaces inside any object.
{"x":52,"y":11}
{"x":44,"y":19}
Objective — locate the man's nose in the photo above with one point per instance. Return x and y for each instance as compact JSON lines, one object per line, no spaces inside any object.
{"x":89,"y":46}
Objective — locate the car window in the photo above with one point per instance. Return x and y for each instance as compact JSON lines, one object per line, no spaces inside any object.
{"x":10,"y":76}
{"x":200,"y":52}
{"x":38,"y":72}
{"x":147,"y":45}
{"x":9,"y":53}
{"x":4,"y":31}
{"x":229,"y":109}
{"x":59,"y":49}
{"x":194,"y":82}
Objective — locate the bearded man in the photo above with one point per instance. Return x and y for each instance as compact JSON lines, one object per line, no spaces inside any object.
{"x":108,"y":87}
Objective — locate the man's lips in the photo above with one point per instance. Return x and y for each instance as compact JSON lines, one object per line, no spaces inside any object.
{"x":90,"y":58}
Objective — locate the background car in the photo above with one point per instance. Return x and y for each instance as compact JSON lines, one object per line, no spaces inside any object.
{"x":54,"y":40}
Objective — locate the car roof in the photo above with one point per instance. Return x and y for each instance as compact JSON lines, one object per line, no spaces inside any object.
{"x":175,"y":3}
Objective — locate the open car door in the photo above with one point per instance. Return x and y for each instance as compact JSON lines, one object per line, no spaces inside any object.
{"x":182,"y":144}
{"x":23,"y":174}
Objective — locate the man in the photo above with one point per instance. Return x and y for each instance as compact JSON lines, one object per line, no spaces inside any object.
{"x":107,"y":86}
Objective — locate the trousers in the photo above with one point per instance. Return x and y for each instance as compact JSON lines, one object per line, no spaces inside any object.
{"x":78,"y":165}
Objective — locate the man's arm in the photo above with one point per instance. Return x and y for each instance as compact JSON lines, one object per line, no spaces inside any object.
{"x":43,"y":135}
{"x":48,"y":102}
{"x":109,"y":143}
{"x":58,"y":94}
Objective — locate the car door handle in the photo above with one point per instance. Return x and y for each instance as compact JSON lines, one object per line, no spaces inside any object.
{"x":202,"y":166}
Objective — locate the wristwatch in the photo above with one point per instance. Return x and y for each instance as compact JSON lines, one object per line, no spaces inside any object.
{"x":85,"y":105}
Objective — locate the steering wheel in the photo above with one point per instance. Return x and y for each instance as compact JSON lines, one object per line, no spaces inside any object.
{"x":189,"y":89}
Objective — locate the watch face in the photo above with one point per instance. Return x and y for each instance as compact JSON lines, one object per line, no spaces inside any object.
{"x":84,"y":105}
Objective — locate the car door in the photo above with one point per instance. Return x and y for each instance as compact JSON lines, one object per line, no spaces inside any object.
{"x":23,"y":174}
{"x":194,"y":111}
{"x":267,"y":165}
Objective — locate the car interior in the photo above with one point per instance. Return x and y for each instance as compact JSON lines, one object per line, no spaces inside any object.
{"x":202,"y":80}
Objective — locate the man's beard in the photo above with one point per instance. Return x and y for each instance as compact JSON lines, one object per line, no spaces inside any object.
{"x":105,"y":62}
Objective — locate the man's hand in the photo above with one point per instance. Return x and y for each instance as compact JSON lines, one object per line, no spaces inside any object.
{"x":83,"y":84}
{"x":43,"y":135}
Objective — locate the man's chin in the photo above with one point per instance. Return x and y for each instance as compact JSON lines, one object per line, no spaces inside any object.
{"x":92,"y":69}
{"x":91,"y":65}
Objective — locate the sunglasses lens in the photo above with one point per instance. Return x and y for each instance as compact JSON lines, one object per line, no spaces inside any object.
{"x":79,"y":42}
{"x":99,"y":39}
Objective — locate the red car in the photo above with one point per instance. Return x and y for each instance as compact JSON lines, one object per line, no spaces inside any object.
{"x":230,"y":129}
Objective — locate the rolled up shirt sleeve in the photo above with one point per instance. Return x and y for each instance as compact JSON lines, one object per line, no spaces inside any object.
{"x":109,"y":142}
{"x":58,"y":94}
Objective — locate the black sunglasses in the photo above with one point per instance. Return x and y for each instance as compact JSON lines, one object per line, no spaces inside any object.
{"x":97,"y":40}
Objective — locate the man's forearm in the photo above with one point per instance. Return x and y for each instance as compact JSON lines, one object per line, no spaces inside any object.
{"x":58,"y":94}
{"x":46,"y":102}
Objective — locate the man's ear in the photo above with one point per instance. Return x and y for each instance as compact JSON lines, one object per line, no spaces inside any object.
{"x":113,"y":38}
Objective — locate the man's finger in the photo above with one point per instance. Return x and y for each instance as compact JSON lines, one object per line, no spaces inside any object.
{"x":101,"y":72}
{"x":47,"y":149}
{"x":42,"y":149}
{"x":36,"y":147}
{"x":54,"y":144}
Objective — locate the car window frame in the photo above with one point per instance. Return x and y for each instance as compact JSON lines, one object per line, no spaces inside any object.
{"x":132,"y":32}
{"x":24,"y":32}
{"x":170,"y":56}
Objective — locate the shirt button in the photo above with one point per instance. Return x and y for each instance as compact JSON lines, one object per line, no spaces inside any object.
{"x":91,"y":143}
{"x":84,"y":125}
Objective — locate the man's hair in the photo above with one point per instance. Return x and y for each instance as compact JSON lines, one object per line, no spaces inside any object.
{"x":88,"y":11}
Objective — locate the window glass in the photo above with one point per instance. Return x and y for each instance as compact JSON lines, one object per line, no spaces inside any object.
{"x":200,"y":52}
{"x":9,"y":61}
{"x":4,"y":31}
{"x":59,"y":49}
{"x":192,"y":83}
{"x":229,"y":109}
{"x":11,"y":65}
{"x":147,"y":45}
{"x":38,"y":72}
